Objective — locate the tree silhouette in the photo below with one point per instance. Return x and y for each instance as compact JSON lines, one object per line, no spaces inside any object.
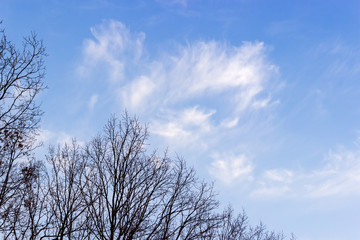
{"x":110,"y":188}
{"x":21,"y":79}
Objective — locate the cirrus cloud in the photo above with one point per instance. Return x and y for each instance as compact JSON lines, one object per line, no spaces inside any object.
{"x":114,"y":48}
{"x":339,"y":176}
{"x":228,"y":169}
{"x":192,"y":97}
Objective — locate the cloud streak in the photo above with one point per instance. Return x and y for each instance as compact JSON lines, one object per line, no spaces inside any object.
{"x":192,"y":97}
{"x":340,"y":176}
{"x":198,"y":97}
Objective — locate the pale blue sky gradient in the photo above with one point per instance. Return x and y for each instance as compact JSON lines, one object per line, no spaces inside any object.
{"x":262,"y":97}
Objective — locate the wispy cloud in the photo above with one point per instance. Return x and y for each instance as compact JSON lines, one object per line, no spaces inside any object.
{"x":230,"y":168}
{"x":179,"y":92}
{"x":113,"y":48}
{"x":201,"y":70}
{"x":342,"y":58}
{"x":184,"y":127}
{"x":93,"y":100}
{"x":197,"y":70}
{"x":339,"y":176}
{"x":212,"y":68}
{"x":48,"y":137}
{"x":138,"y":93}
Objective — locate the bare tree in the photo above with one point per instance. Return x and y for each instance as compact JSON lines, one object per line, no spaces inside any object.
{"x":238,"y":228}
{"x":30,"y":216}
{"x":110,"y":189}
{"x":135,"y":196}
{"x":21,"y":75}
{"x":231,"y":227}
{"x":132,"y":195}
{"x":125,"y":186}
{"x":113,"y":189}
{"x":188,"y":210}
{"x":66,"y":181}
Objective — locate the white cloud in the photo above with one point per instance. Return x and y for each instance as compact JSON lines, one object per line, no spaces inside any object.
{"x":44,"y":136}
{"x":170,"y":130}
{"x":236,"y":74}
{"x":201,"y":74}
{"x":48,"y":137}
{"x":93,"y":100}
{"x":229,"y":123}
{"x":135,"y":94}
{"x":212,"y":68}
{"x":339,"y":177}
{"x":279,"y":175}
{"x":275,"y":182}
{"x":228,"y":169}
{"x":63,"y":138}
{"x":192,"y":97}
{"x":184,"y":126}
{"x":197,"y":70}
{"x":114,"y":47}
{"x":261,"y":103}
{"x":342,"y":58}
{"x":194,"y":117}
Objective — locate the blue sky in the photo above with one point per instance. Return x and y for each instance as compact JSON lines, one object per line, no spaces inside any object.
{"x":261,"y":97}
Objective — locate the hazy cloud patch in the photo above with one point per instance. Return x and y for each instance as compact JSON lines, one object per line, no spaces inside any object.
{"x":93,"y":100}
{"x":339,"y":176}
{"x":184,"y":127}
{"x":229,"y":168}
